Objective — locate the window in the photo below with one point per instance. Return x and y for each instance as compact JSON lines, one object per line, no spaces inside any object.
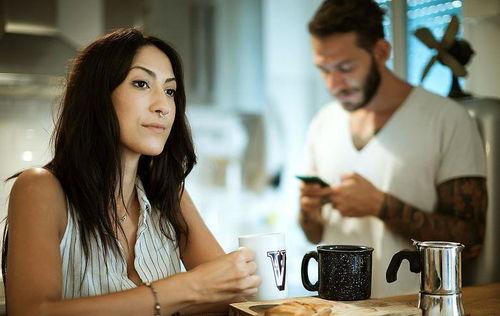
{"x":435,"y":15}
{"x":386,"y":5}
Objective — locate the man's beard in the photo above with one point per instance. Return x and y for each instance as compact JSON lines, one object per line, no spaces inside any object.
{"x":369,"y":88}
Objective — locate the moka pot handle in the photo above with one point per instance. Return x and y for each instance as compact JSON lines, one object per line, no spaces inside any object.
{"x":413,"y":258}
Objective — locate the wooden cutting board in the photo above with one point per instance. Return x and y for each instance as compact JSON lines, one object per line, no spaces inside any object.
{"x":371,"y":307}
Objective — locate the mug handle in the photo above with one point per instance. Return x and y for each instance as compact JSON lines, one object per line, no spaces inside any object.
{"x":304,"y":271}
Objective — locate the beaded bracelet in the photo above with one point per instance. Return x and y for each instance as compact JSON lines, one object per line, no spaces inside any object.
{"x":155,"y":294}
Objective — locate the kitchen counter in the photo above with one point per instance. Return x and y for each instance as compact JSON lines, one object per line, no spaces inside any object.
{"x":481,"y":300}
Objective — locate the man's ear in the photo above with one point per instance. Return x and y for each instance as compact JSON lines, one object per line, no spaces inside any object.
{"x":382,"y":51}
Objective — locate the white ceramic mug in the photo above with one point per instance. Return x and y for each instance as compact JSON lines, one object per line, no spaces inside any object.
{"x":270,"y":257}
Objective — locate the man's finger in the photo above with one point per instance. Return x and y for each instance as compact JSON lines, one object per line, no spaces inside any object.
{"x":309,"y":186}
{"x":347,"y":176}
{"x":335,"y":199}
{"x":315,"y":192}
{"x":308,"y":202}
{"x":335,"y":190}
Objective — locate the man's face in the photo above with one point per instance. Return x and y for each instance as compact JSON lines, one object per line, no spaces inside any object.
{"x":350,"y":72}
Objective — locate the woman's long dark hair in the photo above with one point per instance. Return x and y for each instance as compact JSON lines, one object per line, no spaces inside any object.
{"x":86,"y":142}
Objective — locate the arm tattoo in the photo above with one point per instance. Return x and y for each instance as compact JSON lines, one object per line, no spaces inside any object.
{"x":460,"y":215}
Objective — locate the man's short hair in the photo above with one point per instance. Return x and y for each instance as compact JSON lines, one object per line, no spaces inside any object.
{"x":363,"y":17}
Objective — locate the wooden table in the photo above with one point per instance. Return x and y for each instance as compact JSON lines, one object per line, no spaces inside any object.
{"x":482,"y":300}
{"x":477,"y":300}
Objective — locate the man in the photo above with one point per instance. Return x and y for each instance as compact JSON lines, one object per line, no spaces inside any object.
{"x":402,"y":163}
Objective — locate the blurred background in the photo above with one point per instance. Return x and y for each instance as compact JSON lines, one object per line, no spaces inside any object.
{"x":251,"y":89}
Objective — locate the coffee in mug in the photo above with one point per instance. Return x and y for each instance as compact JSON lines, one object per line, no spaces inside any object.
{"x":344,"y":272}
{"x":270,"y":257}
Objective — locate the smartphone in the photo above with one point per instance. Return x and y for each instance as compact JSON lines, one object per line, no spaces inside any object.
{"x":313,"y":179}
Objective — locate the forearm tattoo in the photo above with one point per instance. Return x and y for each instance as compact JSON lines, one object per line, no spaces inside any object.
{"x":460,"y":215}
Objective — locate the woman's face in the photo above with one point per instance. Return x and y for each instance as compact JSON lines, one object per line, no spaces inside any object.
{"x":144,"y":103}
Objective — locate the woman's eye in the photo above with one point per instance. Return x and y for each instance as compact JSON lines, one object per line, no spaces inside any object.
{"x":140,"y":84}
{"x":170,"y":92}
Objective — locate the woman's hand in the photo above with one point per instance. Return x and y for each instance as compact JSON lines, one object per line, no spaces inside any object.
{"x":226,"y":278}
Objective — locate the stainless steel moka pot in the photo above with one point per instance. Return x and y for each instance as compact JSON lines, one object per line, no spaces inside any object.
{"x":440,"y":266}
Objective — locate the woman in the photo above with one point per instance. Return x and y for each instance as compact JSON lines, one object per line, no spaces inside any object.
{"x":100,"y":229}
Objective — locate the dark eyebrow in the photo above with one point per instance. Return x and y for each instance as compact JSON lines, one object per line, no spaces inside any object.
{"x":151,"y":73}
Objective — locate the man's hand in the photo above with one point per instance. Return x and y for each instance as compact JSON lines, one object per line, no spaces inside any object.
{"x":356,"y":196}
{"x":312,"y":198}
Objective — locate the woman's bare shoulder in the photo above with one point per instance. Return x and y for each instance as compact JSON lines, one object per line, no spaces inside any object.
{"x":34,"y":182}
{"x":37,"y":192}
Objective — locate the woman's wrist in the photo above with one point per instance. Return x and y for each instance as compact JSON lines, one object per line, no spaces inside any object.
{"x":180,"y":289}
{"x":154,"y":292}
{"x":193,"y":287}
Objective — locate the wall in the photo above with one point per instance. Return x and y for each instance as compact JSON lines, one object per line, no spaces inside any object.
{"x":26,"y":123}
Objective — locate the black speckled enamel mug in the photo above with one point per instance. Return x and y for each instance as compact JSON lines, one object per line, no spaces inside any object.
{"x":344,"y":272}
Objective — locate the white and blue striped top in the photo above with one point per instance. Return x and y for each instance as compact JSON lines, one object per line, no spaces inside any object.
{"x":155,"y":257}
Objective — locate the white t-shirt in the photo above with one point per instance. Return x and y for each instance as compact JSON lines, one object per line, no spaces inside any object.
{"x":427,"y":141}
